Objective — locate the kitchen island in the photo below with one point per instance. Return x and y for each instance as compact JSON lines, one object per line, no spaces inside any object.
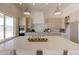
{"x":54,"y":43}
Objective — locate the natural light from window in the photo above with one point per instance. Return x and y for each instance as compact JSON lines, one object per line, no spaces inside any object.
{"x":6,"y":27}
{"x":1,"y":27}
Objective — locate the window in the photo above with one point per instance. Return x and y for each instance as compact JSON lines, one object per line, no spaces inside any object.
{"x":6,"y":27}
{"x":1,"y":27}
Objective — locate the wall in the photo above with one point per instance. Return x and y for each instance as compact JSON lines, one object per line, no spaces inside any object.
{"x":74,"y":16}
{"x":70,"y":9}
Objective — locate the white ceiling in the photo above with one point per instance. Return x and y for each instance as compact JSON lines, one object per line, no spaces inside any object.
{"x":42,"y":6}
{"x":47,"y":9}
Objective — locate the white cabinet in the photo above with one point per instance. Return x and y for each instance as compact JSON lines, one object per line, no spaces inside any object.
{"x":55,"y":22}
{"x":74,"y":31}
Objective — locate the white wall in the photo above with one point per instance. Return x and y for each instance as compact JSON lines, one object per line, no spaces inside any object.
{"x":70,"y":9}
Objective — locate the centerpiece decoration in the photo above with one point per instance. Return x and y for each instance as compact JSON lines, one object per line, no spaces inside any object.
{"x":37,"y":39}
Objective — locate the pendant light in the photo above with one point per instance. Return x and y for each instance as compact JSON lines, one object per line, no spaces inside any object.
{"x":26,"y":12}
{"x":58,"y":11}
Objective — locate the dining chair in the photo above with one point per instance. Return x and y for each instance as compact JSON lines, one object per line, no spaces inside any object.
{"x":39,"y":52}
{"x":25,"y":52}
{"x":52,"y":52}
{"x":6,"y":52}
{"x":73,"y":52}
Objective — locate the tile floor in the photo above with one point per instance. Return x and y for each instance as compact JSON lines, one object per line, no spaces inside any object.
{"x":7,"y":45}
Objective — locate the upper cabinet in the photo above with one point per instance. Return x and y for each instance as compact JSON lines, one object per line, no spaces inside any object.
{"x":55,"y":22}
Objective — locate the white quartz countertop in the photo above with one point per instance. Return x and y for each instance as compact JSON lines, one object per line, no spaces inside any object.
{"x":54,"y":42}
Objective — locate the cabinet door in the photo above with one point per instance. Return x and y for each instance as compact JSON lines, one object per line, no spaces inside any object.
{"x":55,"y":23}
{"x":74,"y":32}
